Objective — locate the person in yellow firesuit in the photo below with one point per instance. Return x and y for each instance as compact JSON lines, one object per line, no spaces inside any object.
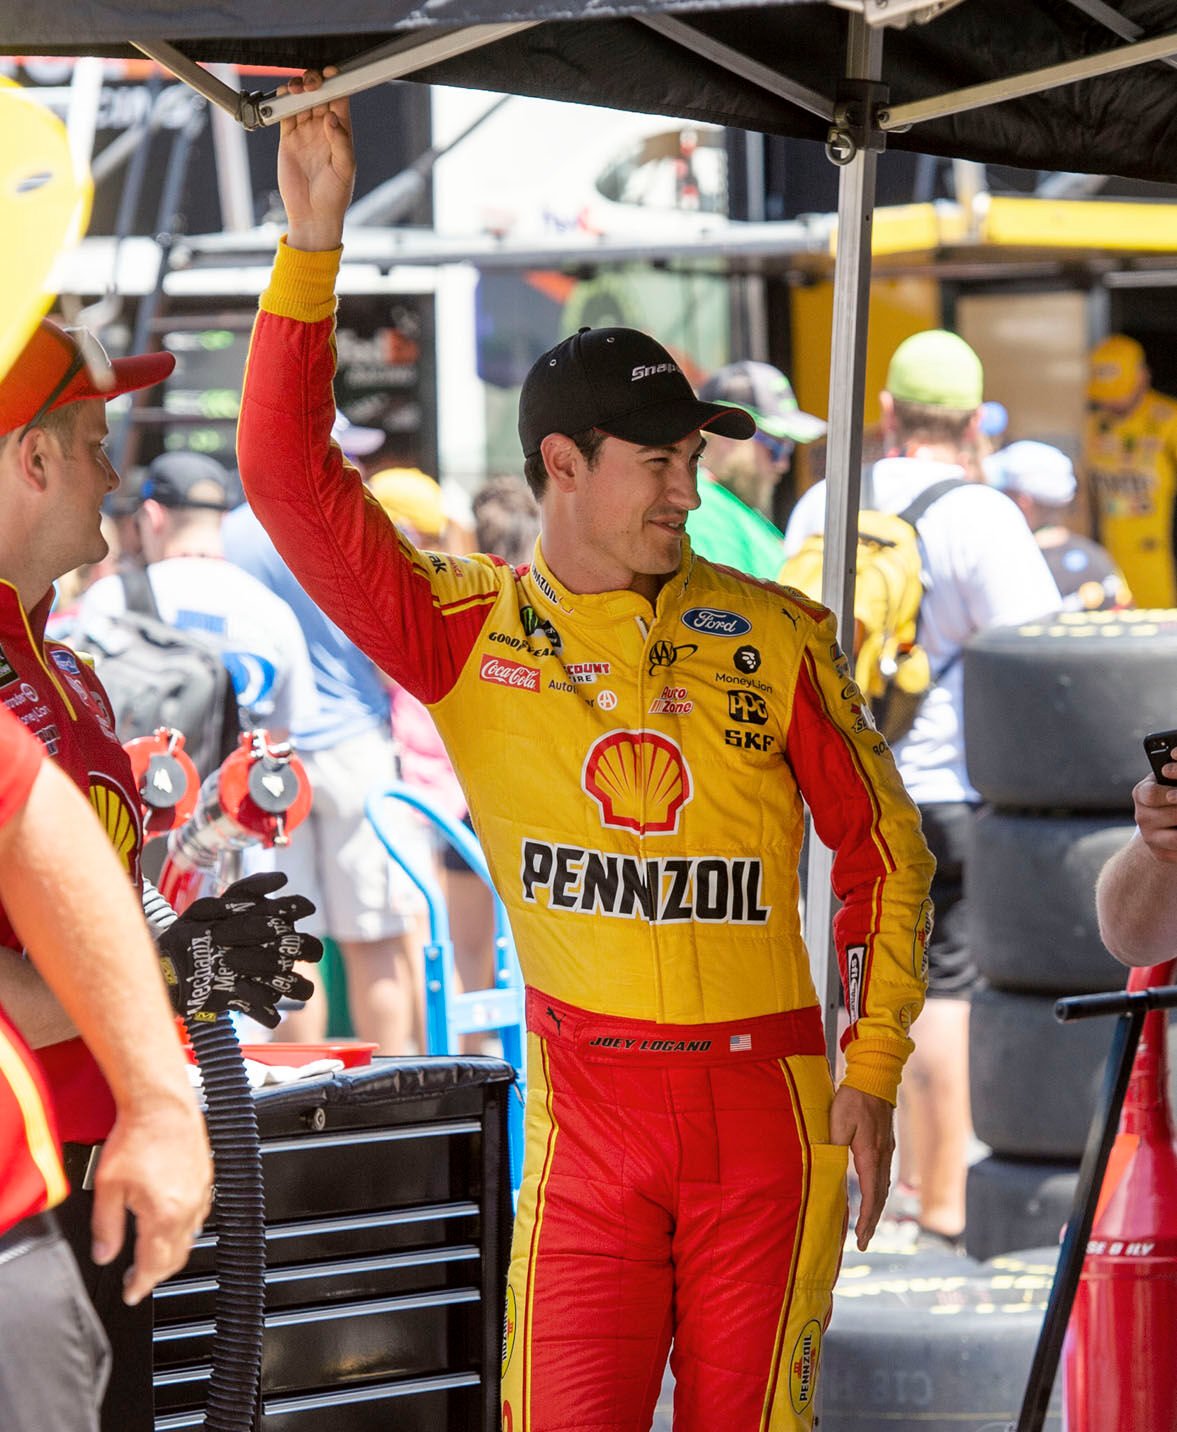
{"x":1130,"y":458}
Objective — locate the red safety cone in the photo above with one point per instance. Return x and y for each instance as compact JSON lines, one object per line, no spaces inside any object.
{"x":1116,"y":1368}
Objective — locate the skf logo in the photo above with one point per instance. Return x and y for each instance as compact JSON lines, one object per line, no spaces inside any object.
{"x":747,"y":708}
{"x":509,"y":673}
{"x":748,"y":740}
{"x":639,"y":779}
{"x":803,"y":1366}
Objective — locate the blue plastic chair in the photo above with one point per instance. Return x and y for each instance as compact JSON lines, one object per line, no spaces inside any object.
{"x":449,"y":1013}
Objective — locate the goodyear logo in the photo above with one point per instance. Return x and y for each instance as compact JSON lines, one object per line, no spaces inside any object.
{"x":640,"y":781}
{"x":803,"y":1366}
{"x":672,"y":891}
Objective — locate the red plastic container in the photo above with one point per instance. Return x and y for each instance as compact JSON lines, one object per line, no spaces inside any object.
{"x":353,"y":1053}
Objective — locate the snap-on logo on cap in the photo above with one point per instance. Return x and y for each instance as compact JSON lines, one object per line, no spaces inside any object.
{"x":716,"y":622}
{"x":648,"y":370}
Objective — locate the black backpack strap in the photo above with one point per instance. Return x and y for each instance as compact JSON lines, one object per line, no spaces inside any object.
{"x":137,"y":591}
{"x":916,"y":510}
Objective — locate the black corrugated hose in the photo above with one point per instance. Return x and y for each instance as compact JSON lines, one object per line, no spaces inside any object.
{"x":239,"y":1204}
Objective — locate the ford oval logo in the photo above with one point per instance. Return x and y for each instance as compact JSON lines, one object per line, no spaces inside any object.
{"x":713,"y":621}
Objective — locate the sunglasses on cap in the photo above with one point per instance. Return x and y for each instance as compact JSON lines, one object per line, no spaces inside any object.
{"x":90,"y":354}
{"x":780,"y":450}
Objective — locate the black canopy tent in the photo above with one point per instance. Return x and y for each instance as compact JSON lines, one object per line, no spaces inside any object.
{"x":1081,"y":85}
{"x":1078,"y":85}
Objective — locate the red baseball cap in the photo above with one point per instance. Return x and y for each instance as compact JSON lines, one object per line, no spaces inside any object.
{"x":52,"y":370}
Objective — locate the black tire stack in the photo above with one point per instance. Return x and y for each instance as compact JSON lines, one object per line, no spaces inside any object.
{"x":1055,"y":715}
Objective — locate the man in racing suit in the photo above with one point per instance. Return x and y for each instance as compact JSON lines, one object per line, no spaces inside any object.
{"x":54,"y":475}
{"x":635,"y":731}
{"x":1130,"y":457}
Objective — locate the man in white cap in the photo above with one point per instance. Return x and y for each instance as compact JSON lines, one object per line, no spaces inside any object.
{"x":738,"y":480}
{"x":1041,"y":480}
{"x":982,"y":569}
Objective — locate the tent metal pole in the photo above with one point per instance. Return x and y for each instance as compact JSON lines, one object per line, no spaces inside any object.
{"x":193,"y":75}
{"x":856,"y":199}
{"x":740,"y":64}
{"x":393,"y":61}
{"x":1112,"y":20}
{"x":903,"y":116}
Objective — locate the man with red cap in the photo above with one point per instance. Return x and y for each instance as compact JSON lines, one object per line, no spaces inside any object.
{"x":230,"y":953}
{"x":635,"y":730}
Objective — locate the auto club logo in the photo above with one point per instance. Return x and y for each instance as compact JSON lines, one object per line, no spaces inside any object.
{"x":665,"y":653}
{"x":640,"y":781}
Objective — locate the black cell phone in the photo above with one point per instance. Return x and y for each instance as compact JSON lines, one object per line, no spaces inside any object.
{"x":1158,"y":747}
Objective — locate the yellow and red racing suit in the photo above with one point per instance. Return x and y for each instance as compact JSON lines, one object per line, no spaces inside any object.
{"x":1131,"y":465}
{"x":636,"y":775}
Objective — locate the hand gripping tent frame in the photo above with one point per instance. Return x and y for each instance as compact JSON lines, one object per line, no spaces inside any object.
{"x":1031,"y":83}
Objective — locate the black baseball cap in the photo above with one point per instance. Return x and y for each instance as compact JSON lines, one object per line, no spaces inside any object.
{"x":187,"y":479}
{"x":623,"y":382}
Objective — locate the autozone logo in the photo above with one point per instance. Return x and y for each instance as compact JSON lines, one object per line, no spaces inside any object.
{"x":515,"y":674}
{"x":668,"y":891}
{"x":747,"y":708}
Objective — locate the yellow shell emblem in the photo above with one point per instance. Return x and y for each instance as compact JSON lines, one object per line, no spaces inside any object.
{"x":118,"y":818}
{"x":639,"y":779}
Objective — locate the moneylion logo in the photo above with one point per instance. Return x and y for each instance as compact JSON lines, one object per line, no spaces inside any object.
{"x":639,"y":779}
{"x":119,"y":819}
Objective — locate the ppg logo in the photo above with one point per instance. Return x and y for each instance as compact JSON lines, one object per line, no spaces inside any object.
{"x":747,"y":708}
{"x":714,"y":621}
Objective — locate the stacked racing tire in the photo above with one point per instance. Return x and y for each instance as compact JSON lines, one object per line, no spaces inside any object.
{"x":1055,"y":715}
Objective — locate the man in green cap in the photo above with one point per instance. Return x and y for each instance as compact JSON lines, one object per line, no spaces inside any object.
{"x":738,"y":480}
{"x":982,"y":569}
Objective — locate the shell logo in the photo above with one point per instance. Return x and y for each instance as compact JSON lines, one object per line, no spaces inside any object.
{"x":118,"y":817}
{"x":639,"y":779}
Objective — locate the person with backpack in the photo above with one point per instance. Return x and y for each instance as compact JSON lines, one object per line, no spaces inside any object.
{"x":190,"y":586}
{"x":980,"y":567}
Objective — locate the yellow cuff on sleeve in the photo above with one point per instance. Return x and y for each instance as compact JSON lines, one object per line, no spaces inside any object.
{"x":302,"y":284}
{"x":875,"y":1069}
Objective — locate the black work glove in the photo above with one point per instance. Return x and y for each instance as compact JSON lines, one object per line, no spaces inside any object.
{"x":238,"y":950}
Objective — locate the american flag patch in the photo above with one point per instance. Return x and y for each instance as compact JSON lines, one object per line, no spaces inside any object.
{"x":738,"y":1043}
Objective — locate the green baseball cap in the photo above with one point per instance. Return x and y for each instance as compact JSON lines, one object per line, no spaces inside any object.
{"x":765,"y":392}
{"x":937,"y":368}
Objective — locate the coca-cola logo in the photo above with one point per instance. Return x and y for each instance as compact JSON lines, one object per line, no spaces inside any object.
{"x":714,"y":621}
{"x":510,"y":673}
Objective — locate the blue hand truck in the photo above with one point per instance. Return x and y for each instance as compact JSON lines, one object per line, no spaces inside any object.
{"x":449,"y":1013}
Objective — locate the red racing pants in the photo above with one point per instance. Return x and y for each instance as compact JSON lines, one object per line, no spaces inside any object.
{"x":678,"y":1189}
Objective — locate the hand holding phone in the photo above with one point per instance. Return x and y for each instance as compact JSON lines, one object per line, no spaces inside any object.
{"x":1159,"y":747}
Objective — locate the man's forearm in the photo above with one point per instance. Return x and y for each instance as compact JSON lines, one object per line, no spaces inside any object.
{"x":1136,"y":899}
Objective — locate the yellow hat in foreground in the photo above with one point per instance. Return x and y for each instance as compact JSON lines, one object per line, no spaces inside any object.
{"x":410,"y":497}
